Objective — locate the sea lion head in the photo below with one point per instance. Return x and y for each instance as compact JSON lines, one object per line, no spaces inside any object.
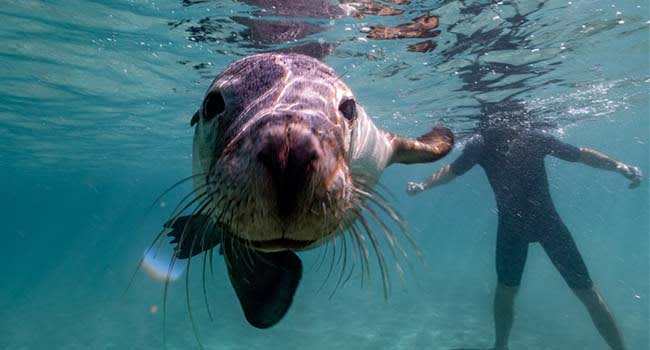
{"x":284,"y":159}
{"x":270,"y":155}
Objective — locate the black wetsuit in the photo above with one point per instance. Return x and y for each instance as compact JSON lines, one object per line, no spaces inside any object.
{"x":513,"y":161}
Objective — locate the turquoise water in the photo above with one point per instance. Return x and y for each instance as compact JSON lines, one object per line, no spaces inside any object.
{"x":95,"y":104}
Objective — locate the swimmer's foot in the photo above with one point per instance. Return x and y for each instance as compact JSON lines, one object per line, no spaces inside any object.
{"x":632,"y":173}
{"x":414,"y":188}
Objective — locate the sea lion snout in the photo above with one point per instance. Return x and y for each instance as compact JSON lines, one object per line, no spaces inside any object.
{"x":289,"y":154}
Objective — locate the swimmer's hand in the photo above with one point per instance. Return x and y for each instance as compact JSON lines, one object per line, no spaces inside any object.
{"x":414,"y":188}
{"x":630,"y":172}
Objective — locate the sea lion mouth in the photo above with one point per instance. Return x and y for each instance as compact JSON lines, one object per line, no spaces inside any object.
{"x":281,"y":244}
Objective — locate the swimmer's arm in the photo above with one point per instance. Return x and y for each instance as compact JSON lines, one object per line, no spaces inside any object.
{"x":440,"y":177}
{"x":599,"y":160}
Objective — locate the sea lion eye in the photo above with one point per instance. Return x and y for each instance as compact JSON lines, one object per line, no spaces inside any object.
{"x":349,"y":109}
{"x":213,"y":105}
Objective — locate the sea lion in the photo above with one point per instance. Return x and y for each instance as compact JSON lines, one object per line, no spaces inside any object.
{"x":284,"y":159}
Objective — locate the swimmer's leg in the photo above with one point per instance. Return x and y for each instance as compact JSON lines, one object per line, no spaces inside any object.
{"x":510,"y":260}
{"x":601,"y":316}
{"x":504,"y":300}
{"x":562,"y":250}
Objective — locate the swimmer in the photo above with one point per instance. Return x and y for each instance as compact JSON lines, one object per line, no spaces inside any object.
{"x":513,"y":160}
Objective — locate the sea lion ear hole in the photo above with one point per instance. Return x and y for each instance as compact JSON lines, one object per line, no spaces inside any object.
{"x":195,"y":118}
{"x":349,"y":109}
{"x":213,"y":105}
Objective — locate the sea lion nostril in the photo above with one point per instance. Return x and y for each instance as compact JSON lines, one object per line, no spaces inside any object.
{"x":302,"y":155}
{"x":288,"y":159}
{"x":273,"y":157}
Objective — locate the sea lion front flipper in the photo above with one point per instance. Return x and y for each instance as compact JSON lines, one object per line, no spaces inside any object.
{"x":427,"y":148}
{"x":265,"y":283}
{"x":192,"y":234}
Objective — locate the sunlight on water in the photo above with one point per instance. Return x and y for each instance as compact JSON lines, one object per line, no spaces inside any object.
{"x":159,"y":266}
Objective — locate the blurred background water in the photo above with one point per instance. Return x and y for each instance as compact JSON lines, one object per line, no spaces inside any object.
{"x":95,"y":104}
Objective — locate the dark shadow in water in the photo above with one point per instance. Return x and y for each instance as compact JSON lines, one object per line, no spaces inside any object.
{"x":278,"y":24}
{"x":297,"y":20}
{"x":482,"y":77}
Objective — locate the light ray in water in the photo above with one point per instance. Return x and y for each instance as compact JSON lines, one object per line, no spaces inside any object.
{"x":157,"y":265}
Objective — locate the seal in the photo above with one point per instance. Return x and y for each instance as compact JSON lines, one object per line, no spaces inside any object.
{"x":285,"y":159}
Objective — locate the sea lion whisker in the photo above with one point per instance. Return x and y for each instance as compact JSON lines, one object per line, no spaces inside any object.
{"x":201,"y":197}
{"x":249,"y":250}
{"x":336,"y":235}
{"x":380,"y":187}
{"x":395,"y":217}
{"x":333,"y":238}
{"x":235,"y":246}
{"x":388,"y":233}
{"x":322,"y":235}
{"x":380,"y":201}
{"x":172,"y":219}
{"x":194,"y":192}
{"x":205,"y":256}
{"x":172,"y":262}
{"x":328,"y":199}
{"x":234,"y":253}
{"x":352,"y":253}
{"x":226,"y":252}
{"x":155,"y":240}
{"x":380,"y":256}
{"x":187,"y":295}
{"x":205,"y":291}
{"x":222,"y":212}
{"x":394,"y":243}
{"x":371,"y":186}
{"x":332,"y":260}
{"x":324,"y":256}
{"x":241,"y":249}
{"x":198,"y":236}
{"x":353,"y":264}
{"x":251,"y":253}
{"x":344,"y":254}
{"x":170,"y":188}
{"x":141,"y":260}
{"x":184,"y":234}
{"x":364,"y":253}
{"x":211,"y":261}
{"x":325,"y":216}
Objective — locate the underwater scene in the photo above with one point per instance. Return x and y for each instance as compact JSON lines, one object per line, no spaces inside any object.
{"x":370,"y":174}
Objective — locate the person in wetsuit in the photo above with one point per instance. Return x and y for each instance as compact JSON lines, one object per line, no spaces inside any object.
{"x":513,"y":160}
